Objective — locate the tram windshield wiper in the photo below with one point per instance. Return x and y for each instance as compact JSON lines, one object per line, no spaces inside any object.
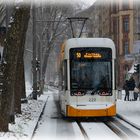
{"x":94,"y":91}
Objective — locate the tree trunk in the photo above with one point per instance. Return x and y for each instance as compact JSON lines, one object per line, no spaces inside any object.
{"x":19,"y":86}
{"x":3,"y":104}
{"x":11,"y":52}
{"x":23,"y":91}
{"x":45,"y":61}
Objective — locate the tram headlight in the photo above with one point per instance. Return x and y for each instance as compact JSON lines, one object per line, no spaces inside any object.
{"x":77,"y":93}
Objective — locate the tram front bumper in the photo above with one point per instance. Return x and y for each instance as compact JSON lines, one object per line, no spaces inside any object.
{"x":102,"y":112}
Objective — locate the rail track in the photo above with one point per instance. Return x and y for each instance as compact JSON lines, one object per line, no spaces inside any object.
{"x":123,"y":131}
{"x":127,"y":121}
{"x":114,"y":124}
{"x":85,"y":135}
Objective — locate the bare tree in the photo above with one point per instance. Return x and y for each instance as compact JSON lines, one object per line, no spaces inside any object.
{"x":54,"y":27}
{"x":2,"y":14}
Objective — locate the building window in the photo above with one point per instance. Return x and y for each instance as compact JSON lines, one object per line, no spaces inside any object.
{"x":125,"y":5}
{"x":126,"y":67}
{"x":126,"y":24}
{"x":114,"y":8}
{"x":126,"y":47}
{"x":114,"y":26}
{"x":138,"y":25}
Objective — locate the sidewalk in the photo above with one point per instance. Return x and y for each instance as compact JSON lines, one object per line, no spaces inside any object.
{"x":27,"y":121}
{"x":130,"y":110}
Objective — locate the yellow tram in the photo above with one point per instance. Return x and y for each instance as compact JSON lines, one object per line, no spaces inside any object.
{"x":87,"y":78}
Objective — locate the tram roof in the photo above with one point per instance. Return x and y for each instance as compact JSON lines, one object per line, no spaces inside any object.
{"x":89,"y":42}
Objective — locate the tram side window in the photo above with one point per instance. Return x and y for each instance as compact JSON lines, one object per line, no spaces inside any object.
{"x":61,"y":78}
{"x":65,"y":75}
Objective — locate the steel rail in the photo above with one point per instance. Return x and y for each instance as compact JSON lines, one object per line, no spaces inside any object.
{"x":120,"y":129}
{"x":125,"y":120}
{"x":83,"y":131}
{"x":116,"y":130}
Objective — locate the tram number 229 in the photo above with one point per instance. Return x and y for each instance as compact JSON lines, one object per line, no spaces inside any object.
{"x":92,"y":99}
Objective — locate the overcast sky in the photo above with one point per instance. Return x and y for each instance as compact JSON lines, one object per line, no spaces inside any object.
{"x":88,"y":2}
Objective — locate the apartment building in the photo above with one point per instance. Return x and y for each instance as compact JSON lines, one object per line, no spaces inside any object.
{"x":120,"y":21}
{"x":125,"y":31}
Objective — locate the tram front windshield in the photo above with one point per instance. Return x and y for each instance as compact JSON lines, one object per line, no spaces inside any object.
{"x":91,"y":75}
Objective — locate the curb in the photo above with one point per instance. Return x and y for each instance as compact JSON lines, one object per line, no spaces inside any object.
{"x":39,"y":118}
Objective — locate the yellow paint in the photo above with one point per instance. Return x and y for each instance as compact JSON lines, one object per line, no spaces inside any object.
{"x":78,"y":54}
{"x":92,"y":55}
{"x":74,"y":112}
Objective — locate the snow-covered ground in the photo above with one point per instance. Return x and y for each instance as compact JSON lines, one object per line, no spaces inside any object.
{"x":99,"y":131}
{"x":130,"y":110}
{"x":26,"y":122}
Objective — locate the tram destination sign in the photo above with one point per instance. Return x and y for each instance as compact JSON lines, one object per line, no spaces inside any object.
{"x":90,"y":53}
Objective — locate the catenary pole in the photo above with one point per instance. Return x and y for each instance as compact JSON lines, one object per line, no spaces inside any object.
{"x":34,"y":92}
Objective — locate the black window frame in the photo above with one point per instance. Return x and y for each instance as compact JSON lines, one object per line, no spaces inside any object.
{"x":126,"y":24}
{"x":95,"y":60}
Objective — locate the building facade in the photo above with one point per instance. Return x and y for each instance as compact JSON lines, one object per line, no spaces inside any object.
{"x":120,"y":21}
{"x":122,"y":32}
